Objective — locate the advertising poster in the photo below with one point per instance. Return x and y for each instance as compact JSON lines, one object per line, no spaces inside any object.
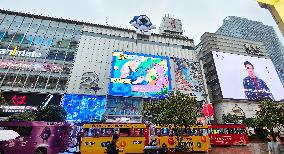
{"x":246,"y":77}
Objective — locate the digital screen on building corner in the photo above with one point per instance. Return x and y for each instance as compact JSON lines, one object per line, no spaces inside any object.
{"x":139,"y":75}
{"x":84,"y":108}
{"x":246,"y":77}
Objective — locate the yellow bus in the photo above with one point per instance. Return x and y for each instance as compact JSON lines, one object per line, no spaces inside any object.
{"x":133,"y":137}
{"x":196,"y":137}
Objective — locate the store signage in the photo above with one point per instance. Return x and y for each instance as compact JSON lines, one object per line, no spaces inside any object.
{"x":23,"y":65}
{"x":16,"y":102}
{"x":16,"y":109}
{"x":253,"y":49}
{"x":19,"y":100}
{"x":18,"y":53}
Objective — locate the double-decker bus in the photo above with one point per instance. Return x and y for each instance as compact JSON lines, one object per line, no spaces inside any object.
{"x":195,"y":136}
{"x":36,"y":137}
{"x":228,"y":134}
{"x":133,"y":137}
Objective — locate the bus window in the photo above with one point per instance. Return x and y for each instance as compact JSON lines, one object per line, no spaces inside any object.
{"x":91,"y":132}
{"x":158,"y":131}
{"x":25,"y":131}
{"x":106,"y":131}
{"x":21,"y":130}
{"x":86,"y":132}
{"x":203,"y":132}
{"x":124,"y":132}
{"x":196,"y":132}
{"x":187,"y":132}
{"x":138,"y":132}
{"x":165,"y":131}
{"x":95,"y":132}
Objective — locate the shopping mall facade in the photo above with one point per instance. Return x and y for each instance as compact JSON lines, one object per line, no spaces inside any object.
{"x":96,"y":69}
{"x":100,"y":71}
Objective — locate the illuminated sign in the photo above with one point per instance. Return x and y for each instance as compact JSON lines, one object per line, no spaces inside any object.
{"x":139,"y":75}
{"x":23,"y":65}
{"x":16,"y":109}
{"x":18,"y":53}
{"x":19,"y":100}
{"x":252,"y":78}
{"x":84,"y":107}
{"x":15,"y":102}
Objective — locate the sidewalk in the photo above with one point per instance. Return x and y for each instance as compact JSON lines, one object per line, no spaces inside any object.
{"x":251,"y":148}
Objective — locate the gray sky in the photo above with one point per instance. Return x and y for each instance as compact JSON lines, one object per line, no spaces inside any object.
{"x":197,"y":16}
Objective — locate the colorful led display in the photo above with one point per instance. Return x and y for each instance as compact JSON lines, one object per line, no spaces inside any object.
{"x":84,"y":108}
{"x":188,"y":78}
{"x":139,"y":75}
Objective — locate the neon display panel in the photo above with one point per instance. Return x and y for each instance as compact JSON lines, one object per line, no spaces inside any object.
{"x":139,"y":75}
{"x":84,"y":108}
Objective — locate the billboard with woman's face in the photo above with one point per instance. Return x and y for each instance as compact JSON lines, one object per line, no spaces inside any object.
{"x":246,"y":77}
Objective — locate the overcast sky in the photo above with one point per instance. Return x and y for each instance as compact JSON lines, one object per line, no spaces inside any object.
{"x":197,"y":16}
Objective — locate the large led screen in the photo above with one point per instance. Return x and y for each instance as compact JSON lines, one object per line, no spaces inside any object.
{"x":246,"y":77}
{"x":84,"y":108}
{"x":139,"y":75}
{"x":188,"y":78}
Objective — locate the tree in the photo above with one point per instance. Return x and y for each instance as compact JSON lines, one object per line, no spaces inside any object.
{"x":250,"y":122}
{"x":2,"y":101}
{"x":25,"y":116}
{"x":270,"y":115}
{"x":230,"y":118}
{"x":177,"y":110}
{"x":51,"y":113}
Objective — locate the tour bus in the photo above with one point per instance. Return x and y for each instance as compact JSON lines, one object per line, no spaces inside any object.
{"x":195,"y":137}
{"x":133,"y":137}
{"x":35,"y":137}
{"x":228,"y":134}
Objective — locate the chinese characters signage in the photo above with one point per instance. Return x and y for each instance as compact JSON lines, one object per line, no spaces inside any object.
{"x":15,"y":102}
{"x":34,"y":66}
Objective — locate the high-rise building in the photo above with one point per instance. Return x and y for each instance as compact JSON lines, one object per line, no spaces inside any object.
{"x":256,"y":31}
{"x":276,"y":8}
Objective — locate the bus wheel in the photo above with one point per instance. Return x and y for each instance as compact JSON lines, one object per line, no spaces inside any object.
{"x":41,"y":151}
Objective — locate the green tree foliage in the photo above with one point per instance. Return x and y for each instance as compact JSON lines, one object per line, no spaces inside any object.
{"x":25,"y":116}
{"x":177,"y":109}
{"x":2,"y":99}
{"x":270,"y":115}
{"x":250,"y":122}
{"x":51,"y":113}
{"x":229,"y":118}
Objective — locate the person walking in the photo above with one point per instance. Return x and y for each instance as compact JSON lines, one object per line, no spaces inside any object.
{"x":279,"y":145}
{"x":274,"y":147}
{"x":111,"y":148}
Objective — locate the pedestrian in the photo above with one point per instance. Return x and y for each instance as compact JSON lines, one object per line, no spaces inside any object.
{"x":273,"y":146}
{"x":279,"y":144}
{"x":111,"y":148}
{"x":80,"y":134}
